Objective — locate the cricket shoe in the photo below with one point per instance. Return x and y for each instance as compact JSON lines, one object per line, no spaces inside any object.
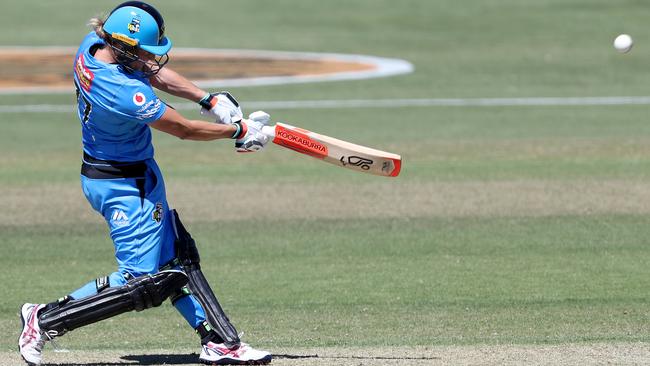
{"x":31,"y":340}
{"x":244,"y":354}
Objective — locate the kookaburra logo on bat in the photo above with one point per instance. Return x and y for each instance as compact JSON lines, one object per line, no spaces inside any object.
{"x":363,"y":163}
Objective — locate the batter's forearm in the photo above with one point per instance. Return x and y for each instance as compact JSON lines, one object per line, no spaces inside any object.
{"x":205,"y":131}
{"x":176,"y":84}
{"x":196,"y":130}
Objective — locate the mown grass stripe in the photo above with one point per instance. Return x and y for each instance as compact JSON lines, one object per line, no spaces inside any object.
{"x":382,"y":103}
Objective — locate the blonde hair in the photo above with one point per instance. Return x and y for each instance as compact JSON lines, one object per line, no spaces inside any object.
{"x":97,"y":24}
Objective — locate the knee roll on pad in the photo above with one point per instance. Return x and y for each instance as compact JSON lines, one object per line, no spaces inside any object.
{"x":137,"y":294}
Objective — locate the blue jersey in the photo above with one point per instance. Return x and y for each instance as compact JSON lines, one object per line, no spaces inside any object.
{"x":114,"y":107}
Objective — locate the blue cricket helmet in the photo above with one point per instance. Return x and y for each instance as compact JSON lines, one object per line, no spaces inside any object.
{"x":138,"y":24}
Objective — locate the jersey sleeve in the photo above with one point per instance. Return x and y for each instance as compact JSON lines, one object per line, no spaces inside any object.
{"x":139,"y":103}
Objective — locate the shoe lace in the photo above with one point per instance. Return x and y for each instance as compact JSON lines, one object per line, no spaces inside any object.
{"x":43,"y":336}
{"x":49,"y":336}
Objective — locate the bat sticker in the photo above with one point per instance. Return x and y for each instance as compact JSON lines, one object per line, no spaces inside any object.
{"x":363,"y":163}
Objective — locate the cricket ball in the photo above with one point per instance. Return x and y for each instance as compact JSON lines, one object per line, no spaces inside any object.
{"x":623,"y":43}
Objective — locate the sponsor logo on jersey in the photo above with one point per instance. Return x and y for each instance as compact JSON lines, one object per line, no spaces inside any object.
{"x":149,"y":110}
{"x":157,"y":214}
{"x":84,"y":75}
{"x":119,"y":218}
{"x":139,"y":99}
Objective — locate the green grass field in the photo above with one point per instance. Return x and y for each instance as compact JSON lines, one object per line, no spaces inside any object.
{"x":509,"y":226}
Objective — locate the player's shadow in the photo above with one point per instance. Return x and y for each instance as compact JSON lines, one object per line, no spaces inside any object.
{"x":277,"y":356}
{"x":150,"y":360}
{"x":155,"y":360}
{"x":141,"y":360}
{"x":188,"y":359}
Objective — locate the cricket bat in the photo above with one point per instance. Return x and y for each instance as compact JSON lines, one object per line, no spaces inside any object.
{"x":334,"y":151}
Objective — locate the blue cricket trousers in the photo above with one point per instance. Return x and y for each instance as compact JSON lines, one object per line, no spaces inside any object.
{"x":131,"y":197}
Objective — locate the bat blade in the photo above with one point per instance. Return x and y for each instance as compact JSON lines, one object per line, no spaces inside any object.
{"x":334,"y":151}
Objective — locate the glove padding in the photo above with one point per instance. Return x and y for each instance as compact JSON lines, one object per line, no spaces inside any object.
{"x":254,"y":139}
{"x":223,"y":107}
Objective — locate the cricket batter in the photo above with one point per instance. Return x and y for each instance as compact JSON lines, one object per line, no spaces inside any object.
{"x":115,"y":70}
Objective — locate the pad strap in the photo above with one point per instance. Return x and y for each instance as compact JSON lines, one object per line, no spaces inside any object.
{"x":207,"y":334}
{"x":185,"y":291}
{"x":140,"y":293}
{"x":172,"y":264}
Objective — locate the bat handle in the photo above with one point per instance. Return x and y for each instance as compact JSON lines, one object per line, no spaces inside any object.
{"x":269,"y":131}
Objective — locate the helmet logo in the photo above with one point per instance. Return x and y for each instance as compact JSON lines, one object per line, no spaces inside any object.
{"x":139,"y":99}
{"x":134,"y":26}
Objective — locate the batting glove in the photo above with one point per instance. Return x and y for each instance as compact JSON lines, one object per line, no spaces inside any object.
{"x":221,"y":106}
{"x":251,"y":138}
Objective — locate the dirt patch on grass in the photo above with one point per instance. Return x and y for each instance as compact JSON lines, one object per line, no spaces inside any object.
{"x":203,"y":202}
{"x":53,"y":68}
{"x":589,"y":354}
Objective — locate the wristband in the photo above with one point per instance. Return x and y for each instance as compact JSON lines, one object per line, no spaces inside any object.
{"x":241,"y":131}
{"x":237,"y":131}
{"x":207,"y":101}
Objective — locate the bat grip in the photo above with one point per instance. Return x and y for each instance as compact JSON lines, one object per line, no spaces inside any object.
{"x":269,"y":131}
